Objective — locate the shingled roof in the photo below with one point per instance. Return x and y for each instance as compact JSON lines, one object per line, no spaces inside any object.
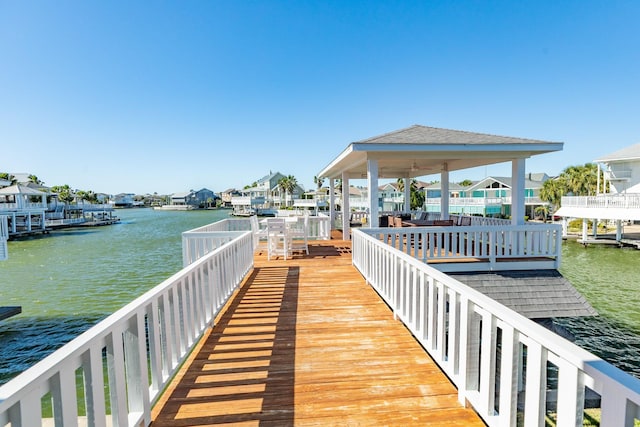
{"x":625,"y":154}
{"x":418,"y":134}
{"x":422,"y":150}
{"x":538,"y":294}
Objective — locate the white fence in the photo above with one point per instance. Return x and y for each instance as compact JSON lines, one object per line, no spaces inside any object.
{"x":22,"y":206}
{"x":200,"y":241}
{"x":116,"y":370}
{"x":501,"y":362}
{"x":4,"y":235}
{"x":486,"y":246}
{"x":620,"y":201}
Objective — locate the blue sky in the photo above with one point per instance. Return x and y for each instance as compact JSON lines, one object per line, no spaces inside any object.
{"x":143,"y":97}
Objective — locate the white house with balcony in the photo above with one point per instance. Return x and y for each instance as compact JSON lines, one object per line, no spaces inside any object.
{"x":621,"y":203}
{"x":265,"y":196}
{"x":24,"y":209}
{"x":488,"y":197}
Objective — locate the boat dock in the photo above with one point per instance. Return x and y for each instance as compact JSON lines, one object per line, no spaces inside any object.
{"x":308,"y":342}
{"x":628,"y":240}
{"x":6,"y":312}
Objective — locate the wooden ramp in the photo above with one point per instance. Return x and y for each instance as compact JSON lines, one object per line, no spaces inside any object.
{"x":307,"y":342}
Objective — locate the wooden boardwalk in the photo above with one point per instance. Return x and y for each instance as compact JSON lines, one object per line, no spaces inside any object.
{"x":307,"y":342}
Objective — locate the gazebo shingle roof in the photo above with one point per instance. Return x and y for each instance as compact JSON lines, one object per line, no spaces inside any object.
{"x":536,"y":294}
{"x":419,"y":134}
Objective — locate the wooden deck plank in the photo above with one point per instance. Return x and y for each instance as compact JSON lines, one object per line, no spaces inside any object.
{"x":307,"y":342}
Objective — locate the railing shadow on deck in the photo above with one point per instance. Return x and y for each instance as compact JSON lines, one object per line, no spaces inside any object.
{"x":245,"y":370}
{"x":316,"y":251}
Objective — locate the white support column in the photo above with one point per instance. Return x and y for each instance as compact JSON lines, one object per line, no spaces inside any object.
{"x":332,"y":204}
{"x":372,"y":182}
{"x":407,"y":194}
{"x":517,"y":191}
{"x":346,"y":211}
{"x":585,"y":227}
{"x":444,"y":190}
{"x":618,"y":229}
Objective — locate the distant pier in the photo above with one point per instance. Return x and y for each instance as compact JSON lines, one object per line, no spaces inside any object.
{"x":629,"y":240}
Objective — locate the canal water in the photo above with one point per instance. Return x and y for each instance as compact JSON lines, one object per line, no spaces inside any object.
{"x":69,"y":280}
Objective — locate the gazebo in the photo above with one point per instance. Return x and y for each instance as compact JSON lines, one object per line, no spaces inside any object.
{"x":421,"y":150}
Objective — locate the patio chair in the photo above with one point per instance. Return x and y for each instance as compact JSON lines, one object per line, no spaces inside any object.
{"x":465,"y":220}
{"x":278,"y":241}
{"x":299,"y":235}
{"x":259,"y":234}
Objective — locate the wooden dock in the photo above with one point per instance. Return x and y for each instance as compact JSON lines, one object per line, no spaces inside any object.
{"x":307,"y":342}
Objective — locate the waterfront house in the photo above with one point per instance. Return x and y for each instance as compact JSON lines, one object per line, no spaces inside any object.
{"x":193,"y":199}
{"x":205,"y":198}
{"x":265,"y":196}
{"x":490,"y":196}
{"x":24,"y":208}
{"x":123,"y":200}
{"x":620,"y":203}
{"x":391,"y":198}
{"x":227,"y":195}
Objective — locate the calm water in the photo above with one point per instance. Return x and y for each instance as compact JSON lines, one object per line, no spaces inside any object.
{"x":69,"y":280}
{"x":609,"y":278}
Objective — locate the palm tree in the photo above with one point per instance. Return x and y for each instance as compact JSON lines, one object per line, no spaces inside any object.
{"x":7,"y":176}
{"x":543,"y":211}
{"x":552,"y":191}
{"x":34,"y":179}
{"x":319,"y":181}
{"x":64,"y":193}
{"x":416,"y":198}
{"x":581,"y":180}
{"x":287,"y":184}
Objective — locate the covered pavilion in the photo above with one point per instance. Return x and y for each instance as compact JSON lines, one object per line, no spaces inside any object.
{"x":421,"y":150}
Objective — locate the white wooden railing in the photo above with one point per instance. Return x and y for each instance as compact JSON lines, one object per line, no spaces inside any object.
{"x":487,"y":246}
{"x":198,"y":242}
{"x":64,"y":221}
{"x":116,"y":370}
{"x":4,"y":236}
{"x":466,"y":201}
{"x":484,"y":346}
{"x":619,"y":201}
{"x":22,"y":206}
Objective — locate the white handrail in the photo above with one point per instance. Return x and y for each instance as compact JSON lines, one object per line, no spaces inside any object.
{"x":482,"y":243}
{"x":137,"y":349}
{"x":625,"y":201}
{"x":4,"y":236}
{"x":480,"y":344}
